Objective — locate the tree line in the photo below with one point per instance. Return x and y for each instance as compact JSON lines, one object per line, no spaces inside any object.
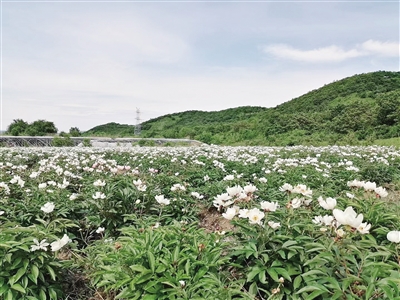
{"x":19,"y":127}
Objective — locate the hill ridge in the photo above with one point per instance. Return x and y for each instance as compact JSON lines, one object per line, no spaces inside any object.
{"x":359,"y":107}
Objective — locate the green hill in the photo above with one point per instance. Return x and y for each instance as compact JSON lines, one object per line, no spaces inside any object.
{"x":360,"y":107}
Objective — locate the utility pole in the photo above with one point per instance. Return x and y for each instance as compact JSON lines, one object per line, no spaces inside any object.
{"x":137,"y":126}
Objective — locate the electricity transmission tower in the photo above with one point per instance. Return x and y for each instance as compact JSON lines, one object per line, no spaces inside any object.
{"x":137,"y":126}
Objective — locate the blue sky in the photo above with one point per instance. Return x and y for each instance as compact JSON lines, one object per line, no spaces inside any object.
{"x":86,"y":63}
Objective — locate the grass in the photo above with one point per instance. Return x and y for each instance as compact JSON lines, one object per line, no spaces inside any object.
{"x":388,"y":142}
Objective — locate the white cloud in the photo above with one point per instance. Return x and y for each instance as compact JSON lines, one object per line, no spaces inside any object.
{"x":391,"y":49}
{"x":333,"y":53}
{"x":327,"y":54}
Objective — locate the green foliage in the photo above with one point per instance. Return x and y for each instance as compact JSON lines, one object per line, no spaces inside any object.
{"x":41,"y":127}
{"x":37,"y":128}
{"x":378,"y":172}
{"x":17,"y":127}
{"x":299,"y":261}
{"x":62,"y":141}
{"x":26,"y":273}
{"x":168,"y":262}
{"x":75,"y":132}
{"x":86,"y":143}
{"x":389,"y":108}
{"x":131,"y":244}
{"x":146,"y":143}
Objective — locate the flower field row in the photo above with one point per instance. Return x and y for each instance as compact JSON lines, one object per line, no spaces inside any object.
{"x":200,"y":222}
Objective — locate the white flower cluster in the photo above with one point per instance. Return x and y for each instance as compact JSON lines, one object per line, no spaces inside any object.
{"x":55,"y":246}
{"x":369,"y":187}
{"x":140,"y":185}
{"x":237,"y":194}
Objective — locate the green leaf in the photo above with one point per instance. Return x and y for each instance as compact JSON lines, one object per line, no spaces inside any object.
{"x":370,"y":290}
{"x":262,"y":276}
{"x":200,"y":273}
{"x":297,"y":282}
{"x":313,"y":272}
{"x":51,"y":272}
{"x":175,"y":255}
{"x":253,"y":273}
{"x":187,"y":267}
{"x":288,"y":244}
{"x":10,"y":295}
{"x":35,"y":273}
{"x":253,"y":290}
{"x":52,"y":294}
{"x":138,"y":268}
{"x":152,"y":261}
{"x":3,"y":288}
{"x":18,"y":288}
{"x":145,"y":277}
{"x":150,"y":297}
{"x":309,"y":288}
{"x":314,"y":294}
{"x":282,"y":254}
{"x":17,"y":276}
{"x":273,"y":274}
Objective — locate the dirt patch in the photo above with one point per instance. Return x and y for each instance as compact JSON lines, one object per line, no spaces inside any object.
{"x":393,"y":196}
{"x":212,"y":221}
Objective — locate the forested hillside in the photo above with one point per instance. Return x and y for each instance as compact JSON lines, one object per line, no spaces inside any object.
{"x":361,"y":107}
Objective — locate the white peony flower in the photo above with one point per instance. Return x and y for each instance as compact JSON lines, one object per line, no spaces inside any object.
{"x":364,"y":228}
{"x":348,"y":217}
{"x":369,"y":186}
{"x":302,"y":189}
{"x":48,"y":207}
{"x":99,"y":182}
{"x":381,"y":192}
{"x":296,"y":202}
{"x":329,"y":203}
{"x":230,"y":213}
{"x":161,"y":200}
{"x":42,"y":185}
{"x":269,"y":206}
{"x":234,"y":191}
{"x":37,"y":246}
{"x":340,"y":232}
{"x":229,"y":177}
{"x":249,"y":189}
{"x":274,"y":225}
{"x":323,"y":220}
{"x":196,"y":195}
{"x":255,"y":216}
{"x":73,"y":196}
{"x":98,"y":195}
{"x":355,"y":183}
{"x":243,"y":213}
{"x":286,"y":188}
{"x":100,"y":230}
{"x":57,"y":245}
{"x":393,"y":236}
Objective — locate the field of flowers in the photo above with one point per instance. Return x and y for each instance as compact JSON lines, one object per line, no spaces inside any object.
{"x":200,"y":223}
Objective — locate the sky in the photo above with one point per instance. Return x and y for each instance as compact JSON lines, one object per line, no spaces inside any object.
{"x":87,"y":63}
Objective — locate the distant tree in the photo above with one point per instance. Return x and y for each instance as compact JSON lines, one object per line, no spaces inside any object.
{"x":389,"y":108}
{"x":63,"y":134}
{"x":74,"y":131}
{"x":17,"y":127}
{"x":42,"y":127}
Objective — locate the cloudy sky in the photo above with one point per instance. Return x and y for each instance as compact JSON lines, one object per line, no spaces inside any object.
{"x":86,"y":63}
